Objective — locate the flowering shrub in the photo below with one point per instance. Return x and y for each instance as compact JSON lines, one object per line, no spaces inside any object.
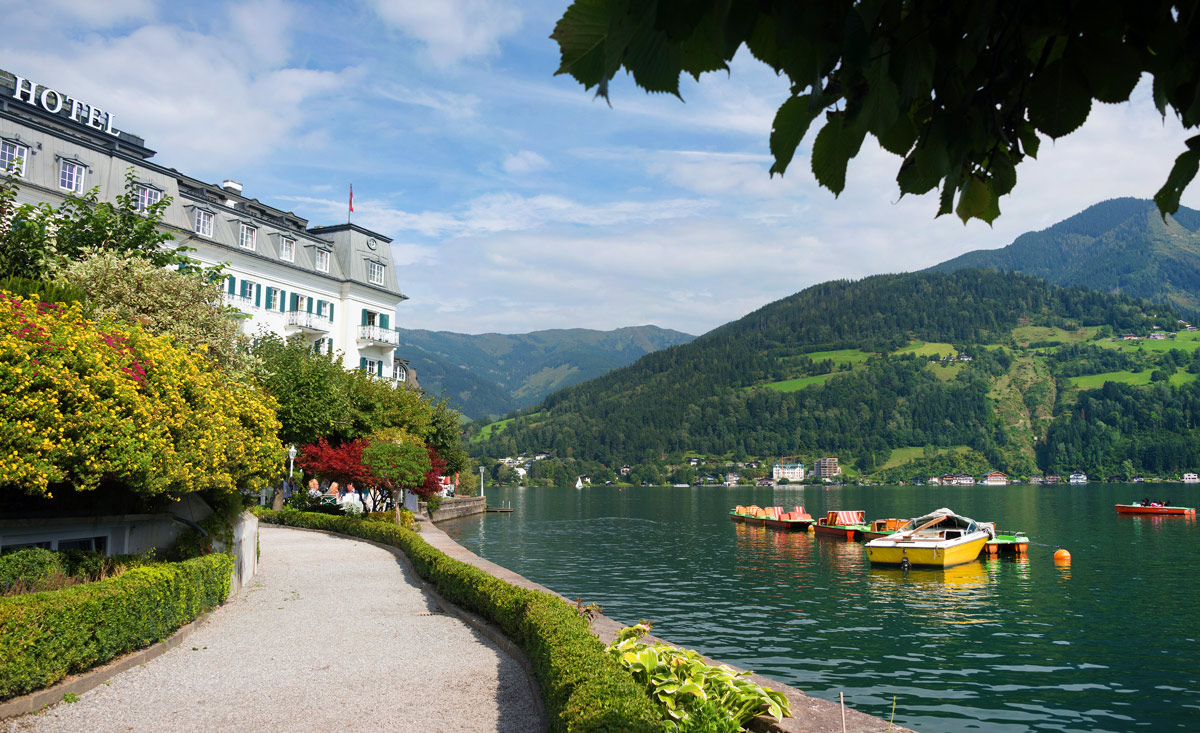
{"x":83,"y":404}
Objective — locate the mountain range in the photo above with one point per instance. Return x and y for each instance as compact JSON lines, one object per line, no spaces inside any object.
{"x":1117,"y":246}
{"x":492,"y":374}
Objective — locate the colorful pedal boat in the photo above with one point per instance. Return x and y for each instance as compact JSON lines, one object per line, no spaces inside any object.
{"x":882,"y":528}
{"x":797,"y":519}
{"x":1009,"y":543}
{"x":1169,"y":510}
{"x":940,"y":539}
{"x":847,"y":525}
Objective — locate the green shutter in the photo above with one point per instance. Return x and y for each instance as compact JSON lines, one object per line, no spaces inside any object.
{"x":308,"y":304}
{"x":295,"y":302}
{"x":379,"y":364}
{"x":331,"y":311}
{"x":257,"y":295}
{"x":364,"y":317}
{"x":232,"y":282}
{"x":282,"y":301}
{"x":362,"y":363}
{"x":269,"y":291}
{"x":383,"y":321}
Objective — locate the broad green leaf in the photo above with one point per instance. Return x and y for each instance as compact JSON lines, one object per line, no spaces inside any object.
{"x":694,"y":689}
{"x":581,"y":33}
{"x":1004,"y":174}
{"x":653,"y":61}
{"x":1181,"y":175}
{"x":836,"y":144}
{"x":880,"y":106}
{"x":791,"y":123}
{"x":1059,"y":99}
{"x":1030,"y":142}
{"x":701,"y":51}
{"x":977,"y":201}
{"x":899,"y":137}
{"x":1112,"y":68}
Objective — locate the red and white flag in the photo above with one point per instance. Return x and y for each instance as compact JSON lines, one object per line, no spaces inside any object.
{"x":352,"y":197}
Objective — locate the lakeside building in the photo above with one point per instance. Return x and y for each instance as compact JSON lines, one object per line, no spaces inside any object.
{"x":995,"y":478}
{"x":336,"y":286}
{"x":789,"y":471}
{"x":826,"y":468}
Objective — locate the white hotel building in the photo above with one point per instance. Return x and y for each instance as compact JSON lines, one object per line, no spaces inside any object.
{"x":335,"y":286}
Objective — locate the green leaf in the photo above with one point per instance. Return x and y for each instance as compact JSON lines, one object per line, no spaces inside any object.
{"x":899,"y":137}
{"x":653,"y":60}
{"x":1004,"y":175}
{"x":836,"y":144}
{"x":1112,"y":68}
{"x":880,"y":104}
{"x":581,"y":34}
{"x":1030,"y":141}
{"x":1059,"y":99}
{"x":791,"y":124}
{"x":1181,"y":175}
{"x":701,"y":51}
{"x":977,"y":201}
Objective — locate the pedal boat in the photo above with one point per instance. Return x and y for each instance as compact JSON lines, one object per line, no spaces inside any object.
{"x":940,"y":539}
{"x":882,"y":528}
{"x":847,"y":525}
{"x":1170,"y":510}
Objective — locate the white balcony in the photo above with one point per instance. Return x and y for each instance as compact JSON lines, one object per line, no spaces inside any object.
{"x":240,"y":302}
{"x":378,"y":336}
{"x":310,"y":322}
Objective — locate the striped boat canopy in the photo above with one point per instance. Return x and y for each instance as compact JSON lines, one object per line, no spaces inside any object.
{"x":848,"y":517}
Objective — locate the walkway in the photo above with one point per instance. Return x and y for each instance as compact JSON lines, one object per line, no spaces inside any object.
{"x":332,"y":634}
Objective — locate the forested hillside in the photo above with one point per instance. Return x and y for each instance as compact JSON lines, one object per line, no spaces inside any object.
{"x":1117,"y":246}
{"x":937,"y":367}
{"x":493,"y":373}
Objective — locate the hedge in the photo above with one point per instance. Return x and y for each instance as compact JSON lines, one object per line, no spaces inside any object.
{"x":46,"y":636}
{"x":584,"y":689}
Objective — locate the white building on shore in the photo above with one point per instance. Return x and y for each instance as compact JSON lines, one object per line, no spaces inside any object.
{"x":789,"y":471}
{"x":335,"y":286}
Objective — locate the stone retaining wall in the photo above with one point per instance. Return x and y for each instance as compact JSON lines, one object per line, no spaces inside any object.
{"x":458,"y":506}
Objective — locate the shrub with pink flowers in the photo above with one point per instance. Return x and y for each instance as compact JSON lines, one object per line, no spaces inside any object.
{"x":84,"y":404}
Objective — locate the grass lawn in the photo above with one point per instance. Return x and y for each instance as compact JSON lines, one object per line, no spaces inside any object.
{"x":1184,"y":342}
{"x":791,"y":385}
{"x":927,"y":348}
{"x":1091,"y":381}
{"x":1026,"y":335}
{"x":946,"y":372}
{"x":841,"y":356}
{"x":901,"y":456}
{"x":487,"y":430}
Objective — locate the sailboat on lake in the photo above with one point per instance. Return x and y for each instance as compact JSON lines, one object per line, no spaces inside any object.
{"x":579,"y":482}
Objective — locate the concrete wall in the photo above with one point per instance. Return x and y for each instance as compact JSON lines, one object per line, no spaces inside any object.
{"x":459,"y":506}
{"x":245,"y":551}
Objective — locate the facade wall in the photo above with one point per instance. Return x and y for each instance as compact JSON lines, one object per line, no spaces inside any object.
{"x":330,"y":268}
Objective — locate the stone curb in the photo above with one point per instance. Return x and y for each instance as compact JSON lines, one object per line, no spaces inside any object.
{"x":84,"y":681}
{"x":480,"y":624}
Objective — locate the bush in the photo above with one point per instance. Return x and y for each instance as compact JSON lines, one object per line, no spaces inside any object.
{"x":31,"y":570}
{"x":406,"y":519}
{"x":46,"y":636}
{"x":28,"y":567}
{"x":584,"y":688}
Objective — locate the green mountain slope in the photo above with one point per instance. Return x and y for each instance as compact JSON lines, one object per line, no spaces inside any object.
{"x":493,"y":374}
{"x":859,"y":370}
{"x":1117,"y":246}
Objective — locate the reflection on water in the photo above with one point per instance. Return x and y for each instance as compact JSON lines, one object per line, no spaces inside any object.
{"x":1006,"y":644}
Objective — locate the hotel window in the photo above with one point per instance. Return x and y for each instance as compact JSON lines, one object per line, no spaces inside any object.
{"x":287,"y":250}
{"x":375,"y":273}
{"x":12,"y":157}
{"x":70,"y":176}
{"x":371,"y":366}
{"x":204,"y":223}
{"x":322,"y":261}
{"x":144,"y":197}
{"x":399,"y":373}
{"x":247,"y":237}
{"x":273,"y":295}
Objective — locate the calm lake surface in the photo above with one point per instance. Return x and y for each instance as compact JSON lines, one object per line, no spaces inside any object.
{"x":1108,"y":643}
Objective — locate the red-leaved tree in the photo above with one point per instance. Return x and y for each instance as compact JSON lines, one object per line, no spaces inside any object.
{"x":342,"y":463}
{"x":433,"y":477}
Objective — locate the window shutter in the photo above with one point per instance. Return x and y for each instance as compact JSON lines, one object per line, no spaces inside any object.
{"x":242,"y":289}
{"x":362,"y":363}
{"x":364,"y":316}
{"x":331,"y":311}
{"x":379,"y":367}
{"x":270,"y":290}
{"x":308,"y":304}
{"x":232,"y":284}
{"x":295,"y":302}
{"x":257,"y":295}
{"x":383,"y":321}
{"x":282,"y":301}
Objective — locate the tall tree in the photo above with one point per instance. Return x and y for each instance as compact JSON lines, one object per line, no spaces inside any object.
{"x":959,"y":90}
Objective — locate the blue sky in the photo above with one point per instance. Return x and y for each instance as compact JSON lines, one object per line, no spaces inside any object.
{"x":516,"y":201}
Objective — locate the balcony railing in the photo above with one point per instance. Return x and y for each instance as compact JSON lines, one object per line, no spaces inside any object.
{"x":309,"y":321}
{"x":377,"y":335}
{"x":240,"y":302}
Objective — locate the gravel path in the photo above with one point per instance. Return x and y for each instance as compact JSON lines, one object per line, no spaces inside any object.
{"x":331,"y":634}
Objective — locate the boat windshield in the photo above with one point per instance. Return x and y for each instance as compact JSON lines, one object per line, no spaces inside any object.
{"x":941,"y":519}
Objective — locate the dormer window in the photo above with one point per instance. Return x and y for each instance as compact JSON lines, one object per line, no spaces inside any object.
{"x":12,"y":157}
{"x":247,"y":238}
{"x":70,"y":176}
{"x":204,"y":223}
{"x":375,"y":273}
{"x":321,"y":260}
{"x":287,"y":250}
{"x":145,"y":196}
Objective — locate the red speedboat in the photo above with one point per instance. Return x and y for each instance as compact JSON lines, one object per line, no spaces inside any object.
{"x":1139,"y":509}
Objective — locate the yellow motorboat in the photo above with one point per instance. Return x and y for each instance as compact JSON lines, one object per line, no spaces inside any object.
{"x":940,"y":539}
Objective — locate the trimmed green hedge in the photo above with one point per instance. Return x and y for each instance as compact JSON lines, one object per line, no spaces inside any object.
{"x":46,"y":636}
{"x":584,"y":688}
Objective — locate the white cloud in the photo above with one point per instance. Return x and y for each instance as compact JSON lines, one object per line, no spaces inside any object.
{"x":450,"y":104}
{"x":25,"y":17}
{"x":452,"y":30}
{"x":524,"y":162}
{"x":263,"y":28}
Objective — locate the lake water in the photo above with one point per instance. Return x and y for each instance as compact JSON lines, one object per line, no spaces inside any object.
{"x":1108,"y":643}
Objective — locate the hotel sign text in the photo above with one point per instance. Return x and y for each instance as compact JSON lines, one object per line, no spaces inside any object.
{"x":57,"y":103}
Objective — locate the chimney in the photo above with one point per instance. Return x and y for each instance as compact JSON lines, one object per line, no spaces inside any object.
{"x":232,"y":186}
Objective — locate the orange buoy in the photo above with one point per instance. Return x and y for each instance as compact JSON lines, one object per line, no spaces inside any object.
{"x":1062,"y":557}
